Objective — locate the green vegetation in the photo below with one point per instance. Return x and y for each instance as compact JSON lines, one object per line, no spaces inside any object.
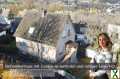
{"x":9,"y":44}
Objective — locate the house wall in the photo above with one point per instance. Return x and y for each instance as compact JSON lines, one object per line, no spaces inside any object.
{"x":67,"y":34}
{"x":83,"y":29}
{"x":44,"y":52}
{"x":113,"y":30}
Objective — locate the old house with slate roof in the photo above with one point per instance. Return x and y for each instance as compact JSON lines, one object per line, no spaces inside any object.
{"x":44,"y":37}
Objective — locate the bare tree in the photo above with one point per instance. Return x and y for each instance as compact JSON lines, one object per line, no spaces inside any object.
{"x":46,"y":30}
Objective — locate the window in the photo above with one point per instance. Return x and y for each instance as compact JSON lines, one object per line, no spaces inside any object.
{"x":31,"y":30}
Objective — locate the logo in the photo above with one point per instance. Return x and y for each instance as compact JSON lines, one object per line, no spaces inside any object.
{"x":115,"y":74}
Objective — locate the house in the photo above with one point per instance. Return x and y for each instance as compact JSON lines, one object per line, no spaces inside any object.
{"x":44,"y":37}
{"x":114,"y":32}
{"x":80,"y":31}
{"x":5,"y":12}
{"x":4,"y":21}
{"x":4,"y":25}
{"x":113,"y":10}
{"x":14,"y":24}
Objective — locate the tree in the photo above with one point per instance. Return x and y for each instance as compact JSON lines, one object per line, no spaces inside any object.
{"x":13,"y":11}
{"x":46,"y":32}
{"x":55,"y":7}
{"x":29,"y":4}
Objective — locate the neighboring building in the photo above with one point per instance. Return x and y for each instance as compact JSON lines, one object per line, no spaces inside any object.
{"x":4,"y":25}
{"x":44,"y":37}
{"x":114,"y":10}
{"x":80,"y":31}
{"x":4,"y":21}
{"x":80,"y":28}
{"x":5,"y":12}
{"x":114,"y":32}
{"x":14,"y":24}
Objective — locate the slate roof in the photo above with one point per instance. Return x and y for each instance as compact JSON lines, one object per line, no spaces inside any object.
{"x":43,"y":29}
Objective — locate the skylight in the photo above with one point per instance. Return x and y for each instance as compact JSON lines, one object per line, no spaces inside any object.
{"x":31,"y":30}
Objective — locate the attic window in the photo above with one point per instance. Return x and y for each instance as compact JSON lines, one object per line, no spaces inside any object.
{"x":31,"y":30}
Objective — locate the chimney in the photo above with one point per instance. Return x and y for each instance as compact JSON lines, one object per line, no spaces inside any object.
{"x":44,"y":13}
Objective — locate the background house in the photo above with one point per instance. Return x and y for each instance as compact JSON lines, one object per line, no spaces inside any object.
{"x":80,"y":31}
{"x":44,"y":37}
{"x":4,"y":25}
{"x":114,"y":32}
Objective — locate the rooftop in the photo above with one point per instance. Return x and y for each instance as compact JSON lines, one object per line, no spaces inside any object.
{"x":46,"y":29}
